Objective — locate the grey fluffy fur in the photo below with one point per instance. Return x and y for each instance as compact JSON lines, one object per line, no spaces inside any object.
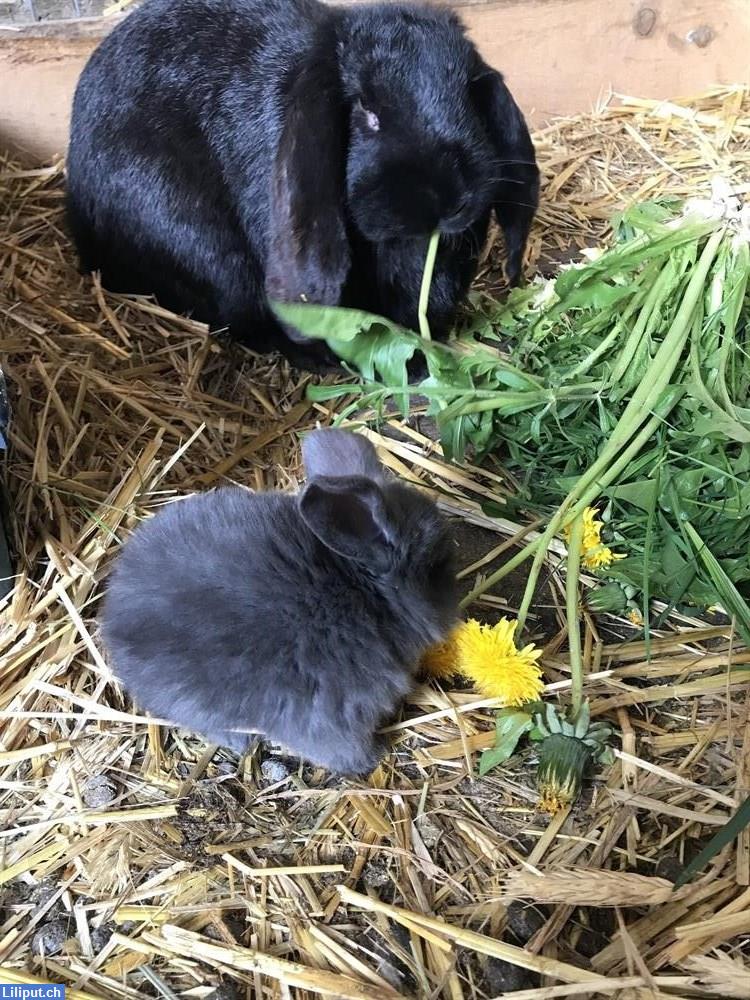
{"x":299,"y":617}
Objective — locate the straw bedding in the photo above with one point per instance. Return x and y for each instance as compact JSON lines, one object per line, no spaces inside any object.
{"x":136,"y":861}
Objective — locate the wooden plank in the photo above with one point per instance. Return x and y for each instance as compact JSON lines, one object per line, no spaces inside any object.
{"x":559,"y":56}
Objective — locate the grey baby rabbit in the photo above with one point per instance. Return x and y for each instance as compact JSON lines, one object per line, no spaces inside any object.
{"x":300,"y":617}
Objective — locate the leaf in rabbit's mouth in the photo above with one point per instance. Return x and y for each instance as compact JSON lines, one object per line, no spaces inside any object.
{"x":332,"y":323}
{"x":340,"y":323}
{"x":372,"y":344}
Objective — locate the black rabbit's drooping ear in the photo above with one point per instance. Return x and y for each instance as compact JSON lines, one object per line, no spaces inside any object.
{"x":335,"y":452}
{"x":517,"y":194}
{"x":349,"y":516}
{"x":308,"y":252}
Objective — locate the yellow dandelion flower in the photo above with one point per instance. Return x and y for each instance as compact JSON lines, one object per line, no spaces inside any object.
{"x":595,"y":555}
{"x":600,"y":557}
{"x":441,"y":661}
{"x":592,"y":528}
{"x":487,"y":654}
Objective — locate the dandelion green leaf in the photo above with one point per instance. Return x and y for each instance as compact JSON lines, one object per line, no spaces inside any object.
{"x":641,"y":494}
{"x":730,"y":597}
{"x":334,"y":323}
{"x":509,"y":728}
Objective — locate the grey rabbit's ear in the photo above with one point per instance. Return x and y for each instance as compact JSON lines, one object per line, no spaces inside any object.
{"x":348,"y":515}
{"x":308,"y":249}
{"x":517,"y":193}
{"x":335,"y":452}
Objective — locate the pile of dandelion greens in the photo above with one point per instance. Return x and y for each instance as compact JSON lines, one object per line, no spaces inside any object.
{"x":618,"y":395}
{"x":622,"y":384}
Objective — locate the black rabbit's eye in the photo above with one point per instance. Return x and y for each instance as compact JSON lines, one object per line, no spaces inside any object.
{"x":371,"y":120}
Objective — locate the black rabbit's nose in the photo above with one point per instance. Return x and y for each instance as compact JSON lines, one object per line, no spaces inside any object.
{"x":425,"y":209}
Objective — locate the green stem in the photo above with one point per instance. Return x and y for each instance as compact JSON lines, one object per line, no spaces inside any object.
{"x":660,"y":289}
{"x":646,"y":582}
{"x":575,"y":545}
{"x":660,"y":413}
{"x":738,"y":274}
{"x":591,"y":359}
{"x":424,"y":291}
{"x":519,"y":401}
{"x":665,"y":360}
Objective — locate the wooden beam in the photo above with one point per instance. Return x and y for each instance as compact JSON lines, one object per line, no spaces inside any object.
{"x":560,"y":57}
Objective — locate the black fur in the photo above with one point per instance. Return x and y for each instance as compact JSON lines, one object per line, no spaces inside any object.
{"x":226,"y":150}
{"x":299,"y":617}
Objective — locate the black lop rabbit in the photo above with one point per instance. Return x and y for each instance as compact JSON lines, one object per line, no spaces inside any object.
{"x":299,"y":617}
{"x":226,"y":151}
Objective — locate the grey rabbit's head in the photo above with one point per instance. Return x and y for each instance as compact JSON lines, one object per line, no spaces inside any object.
{"x":393,"y":533}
